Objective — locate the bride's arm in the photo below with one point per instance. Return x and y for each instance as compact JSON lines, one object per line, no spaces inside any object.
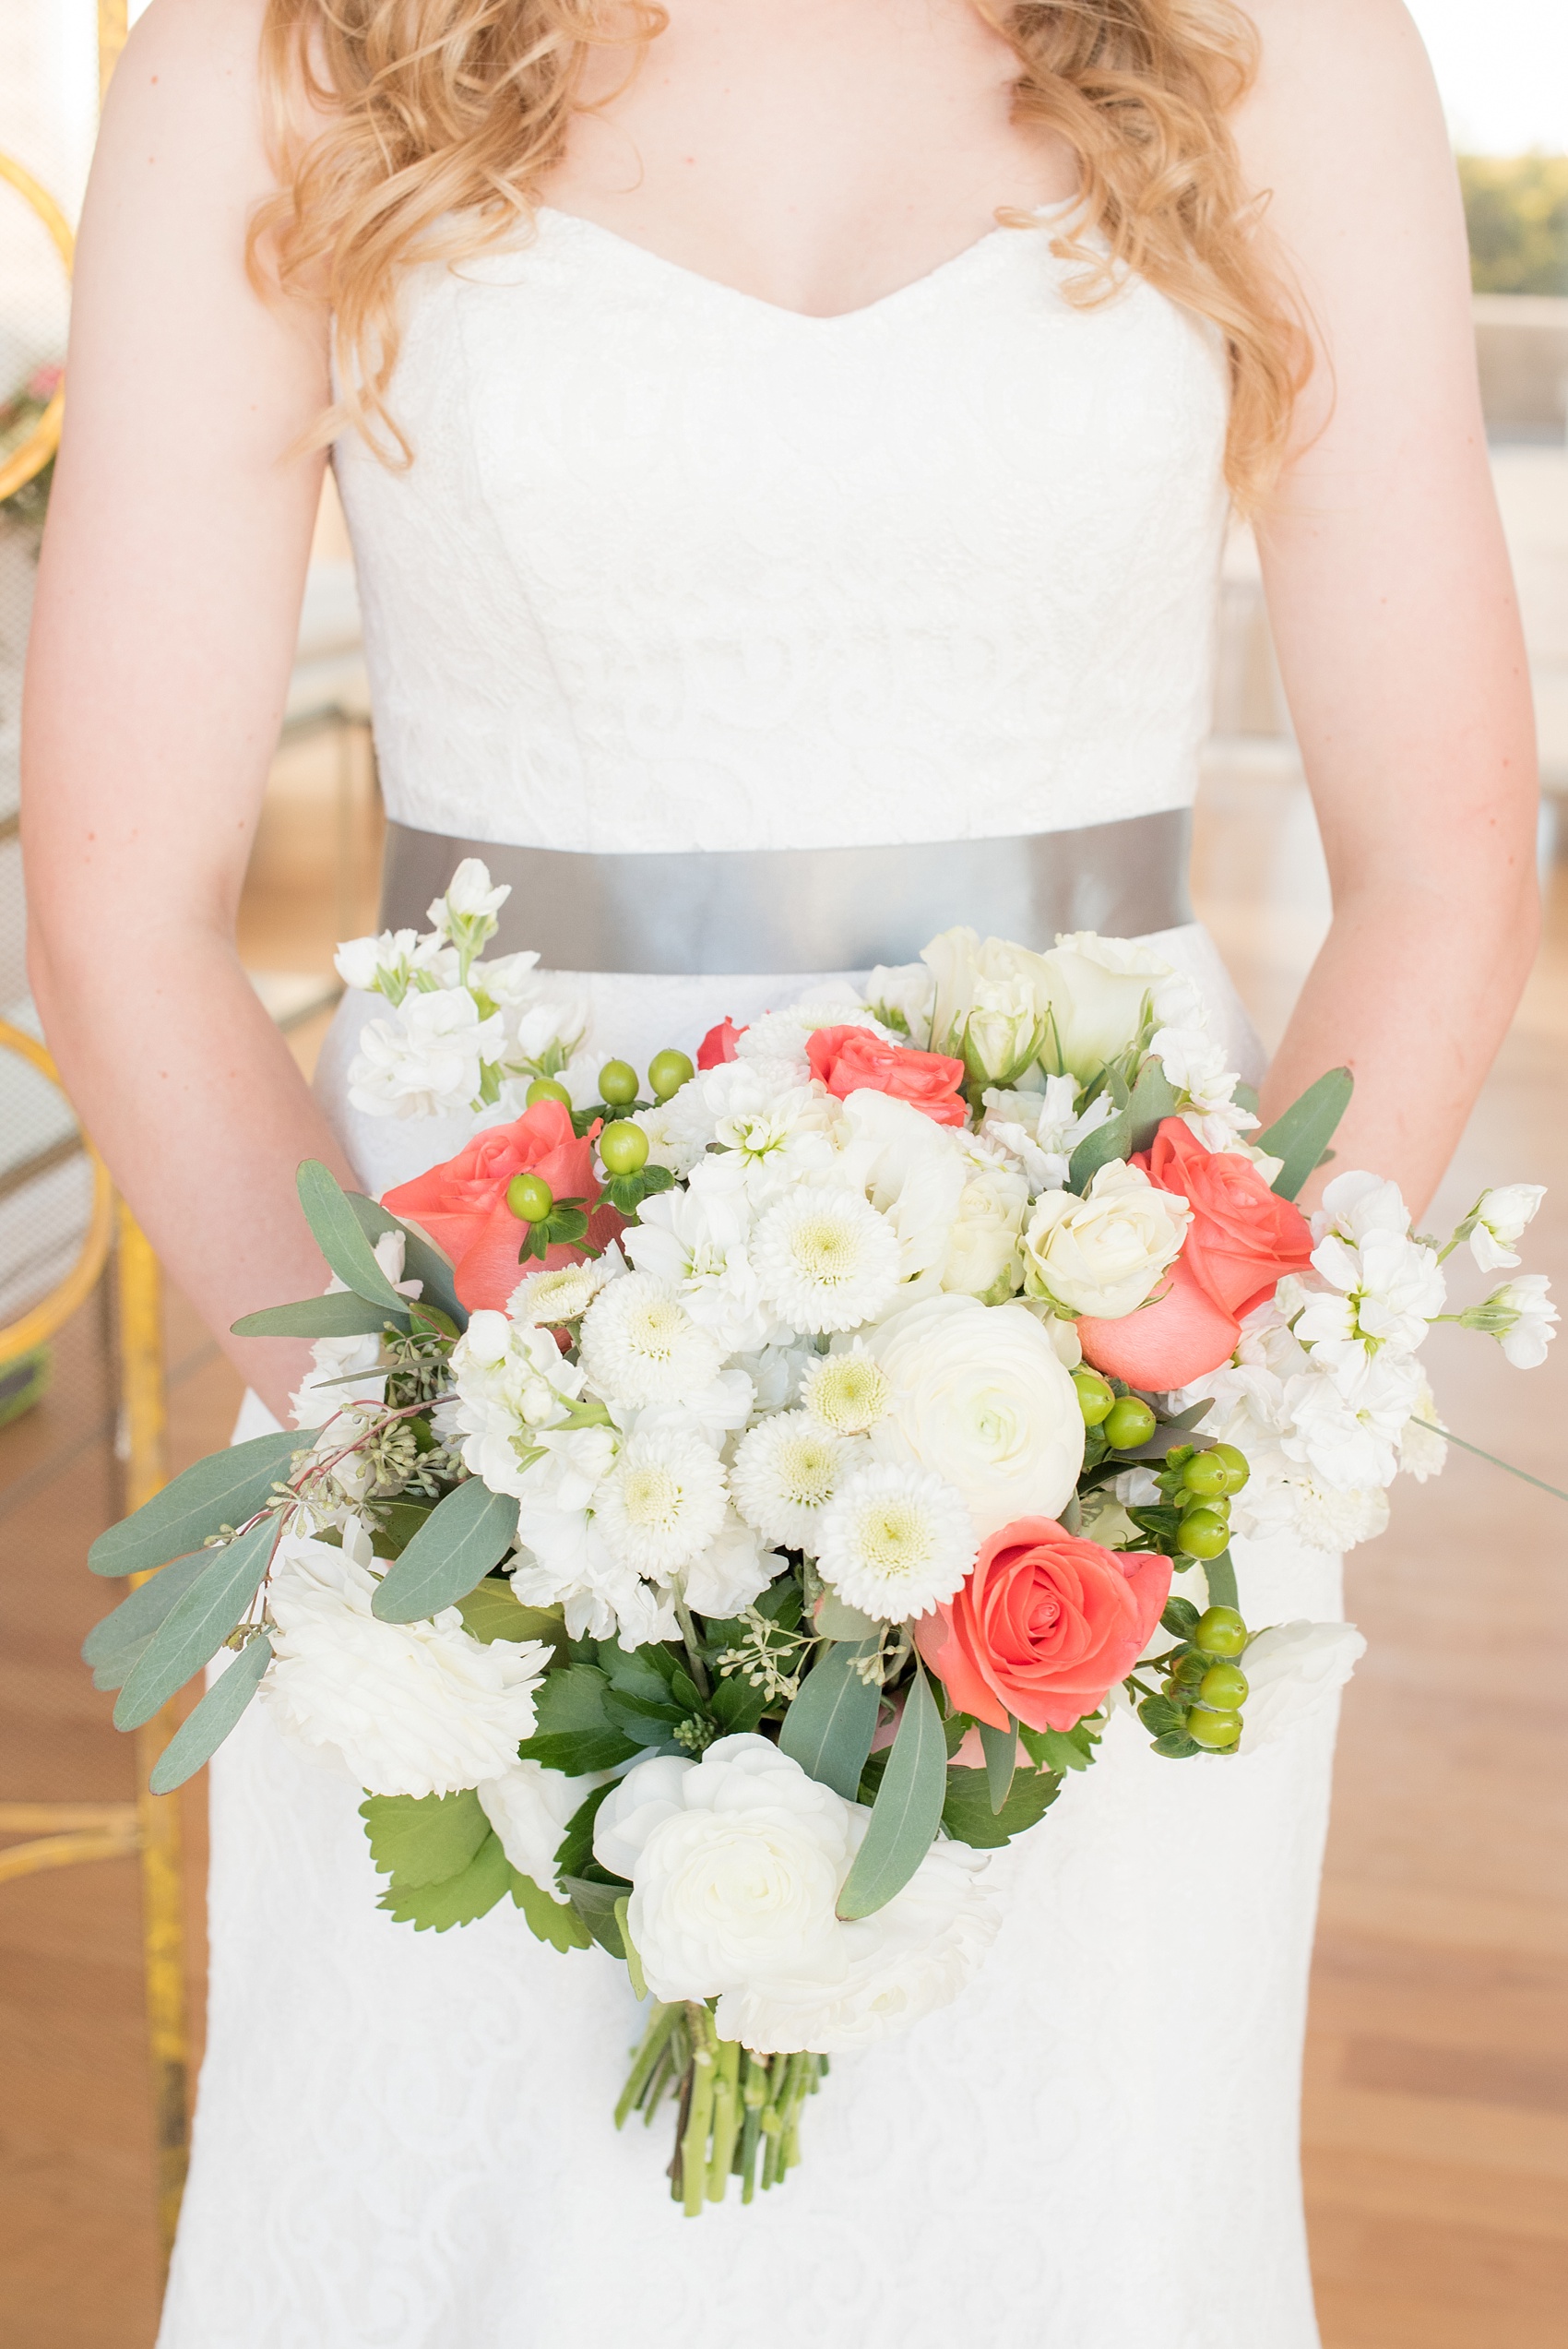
{"x":1391,"y":597}
{"x":168,"y":603}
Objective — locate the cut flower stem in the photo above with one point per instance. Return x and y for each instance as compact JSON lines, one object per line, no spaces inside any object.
{"x":735,"y":2111}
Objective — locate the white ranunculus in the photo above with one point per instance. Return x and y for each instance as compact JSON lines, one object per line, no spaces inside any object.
{"x":322,"y":1392}
{"x":530,"y":1808}
{"x":428,"y":1061}
{"x":735,"y":1569}
{"x":413,"y":1707}
{"x":982,"y":1258}
{"x":978,"y":1396}
{"x":736,"y":1888}
{"x":1292,"y":1670}
{"x":1104,"y":1254}
{"x":1498,"y":1222}
{"x":906,"y":1960}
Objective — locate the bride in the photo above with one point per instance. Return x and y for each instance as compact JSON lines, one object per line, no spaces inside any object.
{"x":787,"y":449}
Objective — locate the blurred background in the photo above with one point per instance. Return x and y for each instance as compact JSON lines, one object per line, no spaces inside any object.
{"x":1436,"y":2114}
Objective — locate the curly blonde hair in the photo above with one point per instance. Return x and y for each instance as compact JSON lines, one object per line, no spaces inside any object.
{"x":415,"y":130}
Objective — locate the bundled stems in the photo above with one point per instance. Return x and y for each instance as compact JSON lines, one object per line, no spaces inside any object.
{"x":737,"y":2114}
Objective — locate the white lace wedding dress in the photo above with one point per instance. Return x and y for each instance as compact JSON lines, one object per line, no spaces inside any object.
{"x":677,"y":569}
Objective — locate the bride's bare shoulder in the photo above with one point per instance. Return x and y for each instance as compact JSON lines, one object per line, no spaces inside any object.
{"x":186,"y":95}
{"x":1327,"y":64}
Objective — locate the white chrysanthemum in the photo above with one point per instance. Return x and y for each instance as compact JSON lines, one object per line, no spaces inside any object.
{"x":640,"y":1345}
{"x":564,"y":1294}
{"x":413,"y":1707}
{"x":530,"y":1808}
{"x":664,"y":1502}
{"x":785,"y":1471}
{"x":826,"y":1259}
{"x":895,"y":1541}
{"x":849,"y":1392}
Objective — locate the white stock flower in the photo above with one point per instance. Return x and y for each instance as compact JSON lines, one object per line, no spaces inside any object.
{"x":734,"y":1569}
{"x":663,"y":1502}
{"x":566,"y":1562}
{"x":428,"y":1062}
{"x":564,"y":1294}
{"x":1195,"y":1068}
{"x":325,"y":1389}
{"x":640,"y":1345}
{"x":510,"y":1381}
{"x":786,"y":1471}
{"x":699,"y":1239}
{"x":982,"y":1258}
{"x":530,"y":1808}
{"x":1292,"y":1670}
{"x":1498,"y":1222}
{"x":895,"y":1541}
{"x":826,"y":1259}
{"x":1357,"y":1204}
{"x":545,"y":1019}
{"x":413,"y":1707}
{"x":1520,"y":1316}
{"x":385,"y":965}
{"x":1349,"y":1440}
{"x":1043,"y":1130}
{"x":978,"y":1396}
{"x":1387,"y":1289}
{"x":848,"y":1393}
{"x":1423,"y":1451}
{"x":902,"y":998}
{"x":1104,"y":1254}
{"x":470,"y":898}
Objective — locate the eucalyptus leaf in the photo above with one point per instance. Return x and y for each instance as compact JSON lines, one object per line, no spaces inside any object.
{"x":199,"y":1737}
{"x":118,"y":1670}
{"x":341,"y":1239}
{"x":837,"y":1621}
{"x":466,"y":1533}
{"x":424,"y":1838}
{"x":1304,"y":1132}
{"x":223,"y":1489}
{"x":1154,"y":1100}
{"x":198,"y":1623}
{"x":339,"y":1314}
{"x":907,"y":1810}
{"x":423,"y":1260}
{"x":829,"y":1727}
{"x":136,"y":1619}
{"x":1219,"y":1581}
{"x":1113,"y":1139}
{"x":1000,"y":1749}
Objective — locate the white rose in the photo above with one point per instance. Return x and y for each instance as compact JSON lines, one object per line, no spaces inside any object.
{"x":1104,"y":1254}
{"x":978,"y":1396}
{"x":1097,"y":1007}
{"x":982,"y":1243}
{"x":1292,"y":1669}
{"x":413,"y":1707}
{"x":1006,"y":982}
{"x":1004,"y":1030}
{"x":736,"y":1888}
{"x":530,"y":1808}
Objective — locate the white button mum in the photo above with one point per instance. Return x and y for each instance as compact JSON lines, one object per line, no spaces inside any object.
{"x":786,"y":1470}
{"x":895,"y":1541}
{"x":664,"y":1501}
{"x":413,"y":1707}
{"x":640,"y":1345}
{"x":565,"y":1294}
{"x":980,"y":1398}
{"x":825,"y":1260}
{"x":848,"y":1393}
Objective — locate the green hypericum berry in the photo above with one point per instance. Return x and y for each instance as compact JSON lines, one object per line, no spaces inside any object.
{"x":1207,"y":1475}
{"x":1220,"y":1632}
{"x":623,"y":1147}
{"x":617,"y":1082}
{"x":546,"y":1089}
{"x":1236,"y":1466}
{"x":1213,"y":1730}
{"x":1224,"y":1688}
{"x":1203,"y":1533}
{"x":667,"y":1072}
{"x":1128,"y":1422}
{"x":1096,"y":1399}
{"x":529,"y":1198}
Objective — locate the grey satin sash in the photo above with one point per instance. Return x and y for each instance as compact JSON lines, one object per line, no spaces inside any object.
{"x":730,"y":911}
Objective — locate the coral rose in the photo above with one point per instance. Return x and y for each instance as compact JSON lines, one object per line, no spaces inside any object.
{"x":853,"y":1060}
{"x":718,"y":1044}
{"x":463,"y":1204}
{"x":1181,"y":1336}
{"x":1045,"y":1625}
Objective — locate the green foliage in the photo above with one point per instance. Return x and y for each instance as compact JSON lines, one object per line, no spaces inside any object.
{"x":1517,"y":208}
{"x":424,"y":1838}
{"x":1153,"y":1101}
{"x":1110,"y":1140}
{"x":829,"y":1727}
{"x":907,"y":1810}
{"x":339,"y":1314}
{"x":1000,"y":1749}
{"x":456,"y":1900}
{"x":1219,"y":1576}
{"x":555,"y":1921}
{"x":573,"y":1730}
{"x":198,"y":1623}
{"x":575,"y":1852}
{"x":400,"y":1521}
{"x":966,"y":1811}
{"x":121,"y":1637}
{"x":223,"y":1489}
{"x":342,"y":1241}
{"x":1304,"y":1132}
{"x":1181,"y":1618}
{"x":490,"y":1612}
{"x":421,"y":1261}
{"x":1061,"y":1749}
{"x":199,"y":1737}
{"x":1162,"y":1718}
{"x":596,"y":1905}
{"x":467,"y":1532}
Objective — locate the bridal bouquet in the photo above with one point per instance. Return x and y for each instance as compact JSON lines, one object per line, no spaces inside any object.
{"x":724,"y":1510}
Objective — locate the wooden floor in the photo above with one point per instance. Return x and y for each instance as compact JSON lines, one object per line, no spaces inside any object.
{"x":1436,"y":2118}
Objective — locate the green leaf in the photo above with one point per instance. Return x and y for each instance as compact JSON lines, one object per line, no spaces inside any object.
{"x":136,"y":1619}
{"x":1001,"y":1748}
{"x":1181,"y":1618}
{"x":596,"y":1905}
{"x":829,"y":1727}
{"x":1176,"y":1746}
{"x":553,"y":1921}
{"x":422,"y":1260}
{"x":576,"y":1847}
{"x":490,"y":1612}
{"x":1110,"y":1140}
{"x":907,"y":1810}
{"x":1302,"y":1135}
{"x":837,"y":1621}
{"x":401,"y":1521}
{"x":634,"y":1964}
{"x":736,"y":1705}
{"x":223,"y":1489}
{"x":648,"y":1673}
{"x":466,"y":1533}
{"x":198,"y":1623}
{"x":1162,"y":1718}
{"x":572,"y":1733}
{"x":199,"y":1737}
{"x":1059,"y":1748}
{"x":339,"y":1314}
{"x":966,"y":1812}
{"x":424,"y":1838}
{"x":341,"y":1239}
{"x":1153,"y":1101}
{"x":1219,"y":1581}
{"x":458,"y":1899}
